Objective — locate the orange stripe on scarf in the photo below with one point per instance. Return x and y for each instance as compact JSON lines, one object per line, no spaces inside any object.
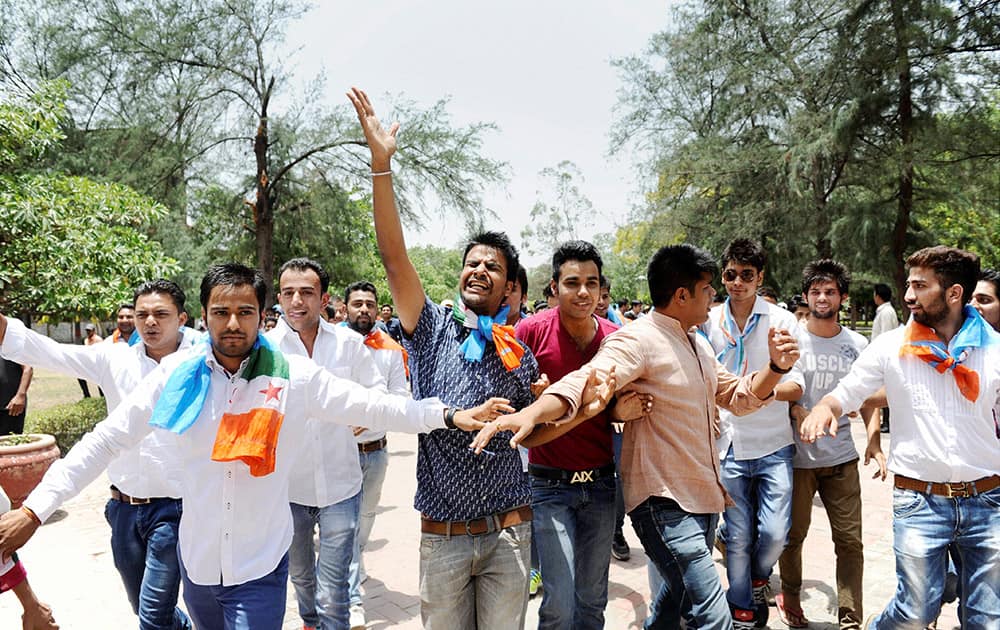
{"x":920,"y":341}
{"x":250,"y":437}
{"x":378,"y":339}
{"x":508,"y":348}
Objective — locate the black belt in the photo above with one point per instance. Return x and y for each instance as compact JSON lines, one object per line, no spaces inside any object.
{"x":571,"y":476}
{"x":371,"y":447}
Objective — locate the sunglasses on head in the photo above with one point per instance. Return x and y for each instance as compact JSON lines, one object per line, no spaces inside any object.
{"x":747,"y":275}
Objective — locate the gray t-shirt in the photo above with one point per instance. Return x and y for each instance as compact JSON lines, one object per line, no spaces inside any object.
{"x":824,"y":361}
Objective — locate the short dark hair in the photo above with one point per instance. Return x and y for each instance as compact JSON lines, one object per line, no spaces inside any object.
{"x":826,"y":270}
{"x":676,"y":266}
{"x":951,"y":265}
{"x":522,"y":279}
{"x":795,"y":302}
{"x":581,"y":251}
{"x":993,"y":277}
{"x":768,"y":292}
{"x":123,"y":305}
{"x":605,"y":283}
{"x":743,"y":251}
{"x":547,"y":291}
{"x":500,"y":242}
{"x":166,"y":287}
{"x":306,"y":264}
{"x":233,"y":274}
{"x":883,"y":291}
{"x":360,"y":285}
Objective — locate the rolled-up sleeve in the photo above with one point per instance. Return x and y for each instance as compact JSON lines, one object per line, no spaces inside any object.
{"x":734,"y":394}
{"x":620,"y":350}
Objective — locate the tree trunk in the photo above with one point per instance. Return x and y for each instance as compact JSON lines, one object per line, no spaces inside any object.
{"x":905,"y":114}
{"x":263,"y":213}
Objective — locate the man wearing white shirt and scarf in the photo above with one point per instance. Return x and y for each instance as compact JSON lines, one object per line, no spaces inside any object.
{"x":325,"y":489}
{"x":224,"y":405}
{"x":145,"y":507}
{"x":755,"y":450}
{"x":941,"y":373}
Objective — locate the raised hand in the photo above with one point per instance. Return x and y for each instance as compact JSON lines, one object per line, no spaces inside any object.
{"x":597,"y":393}
{"x":782,"y":348}
{"x":381,"y":143}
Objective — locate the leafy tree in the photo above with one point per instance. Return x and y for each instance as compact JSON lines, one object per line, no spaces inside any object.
{"x":193,"y":81}
{"x":560,"y":212}
{"x":813,"y":127}
{"x":68,"y":245}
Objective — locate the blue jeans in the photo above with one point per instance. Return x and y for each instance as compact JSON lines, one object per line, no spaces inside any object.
{"x":756,"y":528}
{"x":320,"y":579}
{"x":923,"y":527}
{"x":677,"y":543}
{"x":472,"y":582}
{"x":574,"y":525}
{"x":144,"y":546}
{"x":255,"y":605}
{"x":373,"y":467}
{"x":616,"y":444}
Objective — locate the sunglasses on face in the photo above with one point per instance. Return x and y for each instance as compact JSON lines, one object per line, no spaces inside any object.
{"x":747,"y":275}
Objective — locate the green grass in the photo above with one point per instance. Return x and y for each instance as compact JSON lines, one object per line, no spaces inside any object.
{"x":49,"y":389}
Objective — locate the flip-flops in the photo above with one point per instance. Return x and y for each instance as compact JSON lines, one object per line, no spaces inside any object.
{"x":793,"y":618}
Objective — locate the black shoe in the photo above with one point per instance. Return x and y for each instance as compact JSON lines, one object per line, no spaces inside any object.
{"x":619,"y":547}
{"x":884,"y":427}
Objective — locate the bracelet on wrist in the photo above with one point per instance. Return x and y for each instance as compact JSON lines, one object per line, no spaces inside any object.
{"x":31,"y":514}
{"x":380,"y":173}
{"x":778,"y":370}
{"x":449,"y":417}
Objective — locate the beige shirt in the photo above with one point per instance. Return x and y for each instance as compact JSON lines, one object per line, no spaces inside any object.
{"x":672,"y":452}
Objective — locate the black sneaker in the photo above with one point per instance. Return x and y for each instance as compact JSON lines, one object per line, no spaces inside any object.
{"x":619,"y":547}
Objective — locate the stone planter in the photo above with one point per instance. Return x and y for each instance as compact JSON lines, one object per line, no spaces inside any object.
{"x":22,"y":466}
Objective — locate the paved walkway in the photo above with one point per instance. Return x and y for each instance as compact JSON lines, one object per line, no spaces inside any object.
{"x":69,"y":562}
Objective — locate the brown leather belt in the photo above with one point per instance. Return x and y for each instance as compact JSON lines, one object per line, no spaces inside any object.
{"x":117,"y":495}
{"x":371,"y":447}
{"x":477,"y":526}
{"x":959,"y":489}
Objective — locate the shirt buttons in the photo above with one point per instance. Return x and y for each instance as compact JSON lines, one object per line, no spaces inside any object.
{"x":229,"y":474}
{"x":229,"y":506}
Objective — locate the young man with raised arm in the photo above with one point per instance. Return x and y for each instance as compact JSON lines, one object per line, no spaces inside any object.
{"x":756,"y":451}
{"x":830,"y":467}
{"x":145,"y":506}
{"x":325,"y":489}
{"x":475,"y":512}
{"x":941,"y":373}
{"x":223,"y":406}
{"x":669,"y":462}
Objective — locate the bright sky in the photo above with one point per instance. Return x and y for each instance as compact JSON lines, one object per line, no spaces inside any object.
{"x":539,"y":69}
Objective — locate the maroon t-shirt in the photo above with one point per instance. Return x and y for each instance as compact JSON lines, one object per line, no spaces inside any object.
{"x":588,"y":445}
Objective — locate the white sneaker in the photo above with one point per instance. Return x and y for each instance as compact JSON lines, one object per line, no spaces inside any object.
{"x":358,"y":617}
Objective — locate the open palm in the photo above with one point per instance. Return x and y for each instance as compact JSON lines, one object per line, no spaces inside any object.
{"x":381,"y":143}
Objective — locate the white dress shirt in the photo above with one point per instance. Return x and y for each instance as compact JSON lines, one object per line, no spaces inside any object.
{"x":235,"y":527}
{"x":767,"y":430}
{"x":327,"y":470}
{"x":937,"y":434}
{"x":885,"y":319}
{"x":393,"y":369}
{"x":145,"y":471}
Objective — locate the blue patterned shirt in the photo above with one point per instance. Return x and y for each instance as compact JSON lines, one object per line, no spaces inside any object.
{"x":453,"y":483}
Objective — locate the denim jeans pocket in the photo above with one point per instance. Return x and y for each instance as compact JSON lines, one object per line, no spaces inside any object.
{"x":991,"y":498}
{"x":906,"y":502}
{"x":432,"y":543}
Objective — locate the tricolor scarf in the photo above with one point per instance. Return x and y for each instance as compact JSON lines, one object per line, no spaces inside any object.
{"x":378,"y":339}
{"x":922,"y":342}
{"x":248,"y":430}
{"x":484,"y":329}
{"x":734,"y":339}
